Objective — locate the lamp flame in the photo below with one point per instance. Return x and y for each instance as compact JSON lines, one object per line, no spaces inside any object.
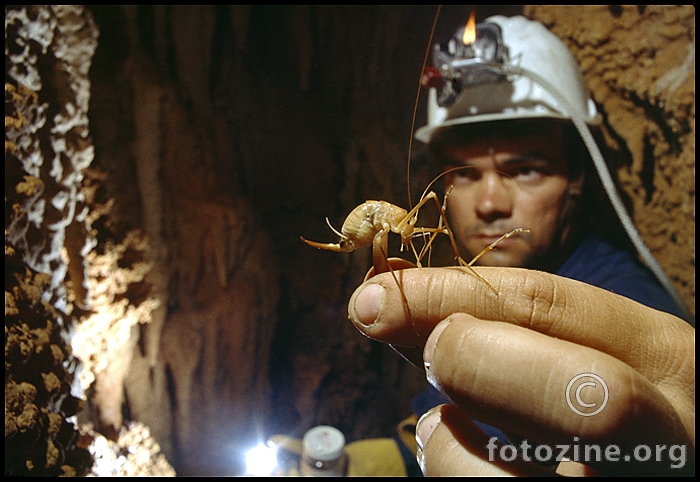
{"x":470,"y":30}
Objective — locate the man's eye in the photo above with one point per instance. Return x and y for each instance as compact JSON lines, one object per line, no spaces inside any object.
{"x":527,"y":174}
{"x":466,"y":174}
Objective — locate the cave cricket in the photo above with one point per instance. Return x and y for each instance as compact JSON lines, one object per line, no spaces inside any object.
{"x":370,"y":223}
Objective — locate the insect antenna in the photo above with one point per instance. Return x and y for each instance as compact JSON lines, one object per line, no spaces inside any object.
{"x":341,"y":235}
{"x":426,"y":57}
{"x":415,"y":104}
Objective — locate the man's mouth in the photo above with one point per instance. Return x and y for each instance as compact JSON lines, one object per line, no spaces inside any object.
{"x":491,"y":237}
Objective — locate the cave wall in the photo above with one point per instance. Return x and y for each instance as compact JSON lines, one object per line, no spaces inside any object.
{"x":47,"y":149}
{"x":222,"y":134}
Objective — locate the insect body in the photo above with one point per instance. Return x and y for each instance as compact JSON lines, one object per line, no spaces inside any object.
{"x":370,"y":223}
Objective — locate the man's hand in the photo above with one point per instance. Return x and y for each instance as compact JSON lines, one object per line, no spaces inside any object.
{"x":507,"y":360}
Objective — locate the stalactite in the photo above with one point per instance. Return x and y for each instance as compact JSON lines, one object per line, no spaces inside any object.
{"x":147,"y":115}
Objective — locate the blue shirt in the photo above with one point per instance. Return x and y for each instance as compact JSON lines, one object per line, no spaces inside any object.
{"x":598,"y":263}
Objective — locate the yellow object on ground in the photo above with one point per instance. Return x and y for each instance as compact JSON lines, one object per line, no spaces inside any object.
{"x":375,"y":457}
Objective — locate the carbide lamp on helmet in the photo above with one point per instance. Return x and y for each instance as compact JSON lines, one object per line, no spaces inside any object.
{"x":514,"y":68}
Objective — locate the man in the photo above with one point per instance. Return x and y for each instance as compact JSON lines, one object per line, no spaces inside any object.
{"x":511,"y":111}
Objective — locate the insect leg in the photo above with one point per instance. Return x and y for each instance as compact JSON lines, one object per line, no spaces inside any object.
{"x":446,"y":230}
{"x":440,"y":228}
{"x":493,"y":245}
{"x":380,"y":249}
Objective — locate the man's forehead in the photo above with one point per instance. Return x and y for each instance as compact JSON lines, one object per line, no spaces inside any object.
{"x":499,"y":132}
{"x":546,"y":144}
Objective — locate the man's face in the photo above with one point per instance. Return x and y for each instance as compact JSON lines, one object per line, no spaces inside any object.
{"x":508,"y":182}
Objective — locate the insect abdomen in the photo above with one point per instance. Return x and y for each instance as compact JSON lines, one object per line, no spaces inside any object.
{"x":367,"y":219}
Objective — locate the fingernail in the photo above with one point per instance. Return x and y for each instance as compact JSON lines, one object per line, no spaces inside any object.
{"x":424,"y":429}
{"x":368,"y":303}
{"x":429,"y":351}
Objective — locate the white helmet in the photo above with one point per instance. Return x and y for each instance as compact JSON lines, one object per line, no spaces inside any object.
{"x":531,"y":69}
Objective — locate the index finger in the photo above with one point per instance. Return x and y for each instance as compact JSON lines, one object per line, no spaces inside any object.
{"x":402,"y":308}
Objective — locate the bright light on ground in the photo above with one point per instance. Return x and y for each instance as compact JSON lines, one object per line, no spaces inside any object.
{"x":261,"y":460}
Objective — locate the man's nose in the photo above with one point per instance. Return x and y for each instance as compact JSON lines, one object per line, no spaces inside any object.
{"x":495,"y":199}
